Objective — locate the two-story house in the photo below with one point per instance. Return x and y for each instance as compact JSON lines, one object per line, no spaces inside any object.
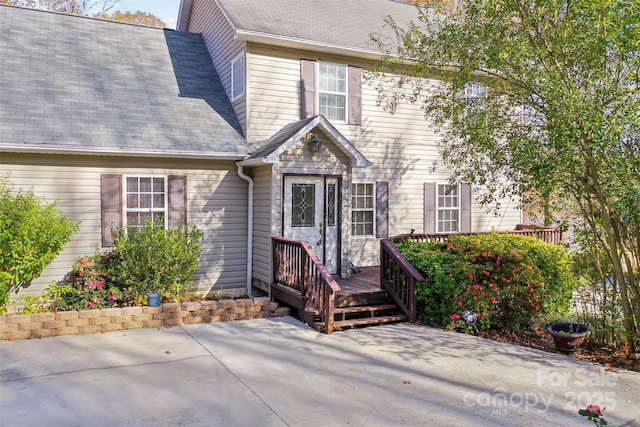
{"x":329,"y":165}
{"x":257,"y":118}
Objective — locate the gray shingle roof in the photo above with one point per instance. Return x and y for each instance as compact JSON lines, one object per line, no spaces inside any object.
{"x":341,"y":23}
{"x":69,"y":82}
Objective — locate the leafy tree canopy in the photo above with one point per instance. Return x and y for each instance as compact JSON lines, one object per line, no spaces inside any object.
{"x":558,"y":115}
{"x":96,"y":8}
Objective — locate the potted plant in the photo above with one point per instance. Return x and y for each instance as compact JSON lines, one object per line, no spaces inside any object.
{"x":568,"y":336}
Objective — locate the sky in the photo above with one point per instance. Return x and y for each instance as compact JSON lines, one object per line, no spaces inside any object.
{"x":167,"y":10}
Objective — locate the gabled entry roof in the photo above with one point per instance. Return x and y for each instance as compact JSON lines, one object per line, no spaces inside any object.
{"x":270,"y":151}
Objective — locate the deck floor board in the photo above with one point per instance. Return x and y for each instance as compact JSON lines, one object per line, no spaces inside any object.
{"x":368,"y":280}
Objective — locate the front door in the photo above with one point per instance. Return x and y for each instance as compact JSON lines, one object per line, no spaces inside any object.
{"x":311,"y":215}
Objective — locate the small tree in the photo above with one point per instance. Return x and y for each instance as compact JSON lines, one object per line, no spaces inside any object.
{"x":32,"y":234}
{"x":552,"y":110}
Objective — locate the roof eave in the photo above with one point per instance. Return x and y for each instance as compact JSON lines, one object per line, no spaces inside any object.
{"x":297,"y":43}
{"x":40,"y":149}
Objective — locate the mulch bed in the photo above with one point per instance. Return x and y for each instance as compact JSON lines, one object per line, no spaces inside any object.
{"x":610,"y":358}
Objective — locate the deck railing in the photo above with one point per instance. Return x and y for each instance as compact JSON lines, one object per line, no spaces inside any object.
{"x":549,"y":235}
{"x":399,"y":278}
{"x":296,"y":266}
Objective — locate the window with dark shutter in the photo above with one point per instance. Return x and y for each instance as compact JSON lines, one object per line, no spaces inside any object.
{"x":447,"y":208}
{"x":144,"y":201}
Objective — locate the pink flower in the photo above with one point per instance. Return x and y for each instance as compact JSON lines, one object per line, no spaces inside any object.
{"x":484,"y":254}
{"x":475,"y":298}
{"x":460,"y":303}
{"x":91,"y":304}
{"x":476,"y":287}
{"x":504,"y":279}
{"x":454,"y":317}
{"x":491,"y":285}
{"x":450,"y":245}
{"x":471,"y":276}
{"x":468,"y":290}
{"x":594,"y":410}
{"x":478,"y":314}
{"x":514,"y":252}
{"x":486,"y":273}
{"x":531,"y":290}
{"x":112,"y":297}
{"x":493,"y":299}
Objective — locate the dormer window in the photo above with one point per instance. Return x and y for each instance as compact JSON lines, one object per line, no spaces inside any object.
{"x":332,"y":91}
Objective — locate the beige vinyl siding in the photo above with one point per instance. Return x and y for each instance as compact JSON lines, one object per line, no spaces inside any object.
{"x":402,"y":146}
{"x":219,"y":38}
{"x":216,"y":197}
{"x":263,"y":222}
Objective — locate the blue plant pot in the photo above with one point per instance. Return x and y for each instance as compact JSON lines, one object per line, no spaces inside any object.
{"x":154,"y":300}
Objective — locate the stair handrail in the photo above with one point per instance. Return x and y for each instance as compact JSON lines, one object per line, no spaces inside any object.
{"x":297,"y":266}
{"x":399,"y":278}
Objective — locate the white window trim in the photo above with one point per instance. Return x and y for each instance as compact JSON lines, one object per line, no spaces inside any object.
{"x":125,"y":209}
{"x":238,"y":57}
{"x":439,"y":208}
{"x":346,"y":90}
{"x":374,"y":195}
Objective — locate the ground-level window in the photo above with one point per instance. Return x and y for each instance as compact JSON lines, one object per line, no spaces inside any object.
{"x":145,"y":200}
{"x":363,"y":209}
{"x":448,"y":209}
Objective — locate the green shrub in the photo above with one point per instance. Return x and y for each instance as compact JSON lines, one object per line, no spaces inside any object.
{"x":500,"y":277}
{"x":32,"y":234}
{"x":442,"y":271}
{"x":152,"y":259}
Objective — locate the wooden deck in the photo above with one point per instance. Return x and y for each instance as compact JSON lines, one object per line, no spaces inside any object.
{"x":368,"y":280}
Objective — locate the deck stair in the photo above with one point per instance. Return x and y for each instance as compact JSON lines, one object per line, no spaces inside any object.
{"x":357,"y":309}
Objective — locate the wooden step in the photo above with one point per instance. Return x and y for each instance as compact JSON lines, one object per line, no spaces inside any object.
{"x":365,"y":308}
{"x":368,"y":321}
{"x":350,"y":299}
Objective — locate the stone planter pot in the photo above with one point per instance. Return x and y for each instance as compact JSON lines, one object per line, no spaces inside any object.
{"x":568,"y":337}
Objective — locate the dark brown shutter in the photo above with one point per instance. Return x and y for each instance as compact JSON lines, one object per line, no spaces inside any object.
{"x":111,"y":206}
{"x":355,"y":96}
{"x":307,"y":88}
{"x":177,"y":200}
{"x":465,"y":208}
{"x":382,"y":209}
{"x":429,"y":207}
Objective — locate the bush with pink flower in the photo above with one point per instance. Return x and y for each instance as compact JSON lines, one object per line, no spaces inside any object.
{"x":91,"y":284}
{"x":503,"y":279}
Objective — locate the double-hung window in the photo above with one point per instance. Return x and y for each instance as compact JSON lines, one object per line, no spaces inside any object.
{"x":332,"y":91}
{"x":448,"y":209}
{"x":145,"y":200}
{"x":237,"y":76}
{"x":363,"y":209}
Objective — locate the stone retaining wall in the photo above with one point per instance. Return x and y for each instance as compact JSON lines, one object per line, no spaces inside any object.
{"x":25,"y":326}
